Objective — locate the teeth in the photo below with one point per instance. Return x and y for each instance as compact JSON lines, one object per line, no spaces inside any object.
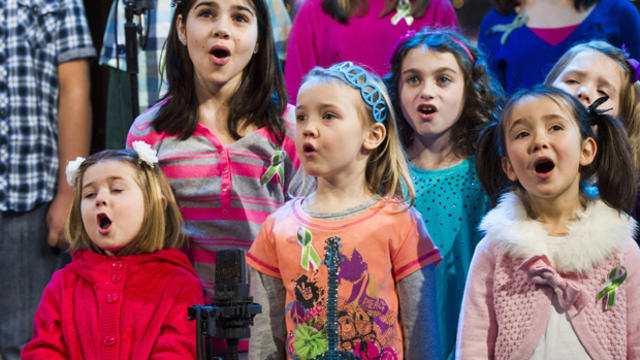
{"x":426,"y":109}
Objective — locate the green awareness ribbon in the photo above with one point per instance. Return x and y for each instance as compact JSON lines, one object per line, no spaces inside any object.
{"x":616,"y":277}
{"x":519,"y":21}
{"x":276,"y":167}
{"x":403,"y":11}
{"x":308,"y":254}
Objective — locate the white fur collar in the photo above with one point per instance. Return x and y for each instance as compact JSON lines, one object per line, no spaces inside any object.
{"x":598,"y":231}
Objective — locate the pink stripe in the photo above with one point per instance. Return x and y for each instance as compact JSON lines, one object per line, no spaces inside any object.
{"x":191,"y":171}
{"x":248,"y":154}
{"x":190,"y":155}
{"x":215,"y":214}
{"x":420,"y":260}
{"x":257,"y":199}
{"x":266,"y":266}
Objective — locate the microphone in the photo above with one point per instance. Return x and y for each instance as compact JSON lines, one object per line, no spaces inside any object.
{"x":232,"y":309}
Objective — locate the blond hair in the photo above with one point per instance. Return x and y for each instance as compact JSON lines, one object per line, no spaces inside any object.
{"x":162,"y":220}
{"x":629,"y":112}
{"x":386,"y":172}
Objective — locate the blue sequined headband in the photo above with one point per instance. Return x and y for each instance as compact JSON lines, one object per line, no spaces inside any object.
{"x":359,"y":78}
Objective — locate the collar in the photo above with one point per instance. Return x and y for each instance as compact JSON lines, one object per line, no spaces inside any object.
{"x":598,"y":231}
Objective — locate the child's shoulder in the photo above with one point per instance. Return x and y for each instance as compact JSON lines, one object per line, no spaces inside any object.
{"x":142,"y":127}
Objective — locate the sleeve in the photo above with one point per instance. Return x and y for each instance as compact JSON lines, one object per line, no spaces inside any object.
{"x":142,"y":128}
{"x":262,"y":255}
{"x":416,"y":249}
{"x":632,"y":263}
{"x":269,"y":330}
{"x":73,"y":39}
{"x":47,"y":341}
{"x":477,"y":326}
{"x":418,"y":314}
{"x":445,"y":15}
{"x":301,"y":52}
{"x":177,"y":339}
{"x":489,"y":43}
{"x":628,"y":19}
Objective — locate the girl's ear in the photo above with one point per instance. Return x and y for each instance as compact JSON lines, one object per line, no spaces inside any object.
{"x":181,"y":30}
{"x":588,"y":152}
{"x":375,"y":137}
{"x":508,"y":169}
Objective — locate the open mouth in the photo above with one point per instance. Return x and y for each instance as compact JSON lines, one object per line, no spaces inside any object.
{"x":103,"y":221}
{"x":426,"y":109}
{"x":308,"y":148}
{"x":220,"y":53}
{"x":543,"y":165}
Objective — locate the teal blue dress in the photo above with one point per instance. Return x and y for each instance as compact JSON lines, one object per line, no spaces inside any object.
{"x":452,"y":203}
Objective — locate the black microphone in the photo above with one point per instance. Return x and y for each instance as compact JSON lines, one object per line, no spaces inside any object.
{"x":231,"y":311}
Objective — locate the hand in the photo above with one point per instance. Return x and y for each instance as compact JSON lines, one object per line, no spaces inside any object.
{"x":57,"y":216}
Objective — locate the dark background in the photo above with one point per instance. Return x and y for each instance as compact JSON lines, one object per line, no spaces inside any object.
{"x":470,"y":14}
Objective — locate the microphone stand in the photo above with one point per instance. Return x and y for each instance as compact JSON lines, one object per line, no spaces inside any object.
{"x":131,"y":29}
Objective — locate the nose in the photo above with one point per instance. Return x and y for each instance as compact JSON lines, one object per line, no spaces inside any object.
{"x":101,"y":198}
{"x":540,"y":141}
{"x":309,"y":129}
{"x":426,"y":92}
{"x":221,"y":30}
{"x":584,"y":95}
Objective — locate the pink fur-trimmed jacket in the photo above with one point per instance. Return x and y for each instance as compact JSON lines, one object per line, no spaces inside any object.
{"x":517,"y":268}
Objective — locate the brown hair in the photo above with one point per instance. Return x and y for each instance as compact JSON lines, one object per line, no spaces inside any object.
{"x":261,"y":98}
{"x":629,"y":112}
{"x":613,"y":163}
{"x":483,"y":94}
{"x":343,"y":10}
{"x":506,"y":7}
{"x":162,"y":220}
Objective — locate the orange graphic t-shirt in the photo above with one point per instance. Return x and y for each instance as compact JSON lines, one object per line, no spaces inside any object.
{"x":380,"y":246}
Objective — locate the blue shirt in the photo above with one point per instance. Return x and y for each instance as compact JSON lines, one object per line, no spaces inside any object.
{"x":524,"y":59}
{"x":452,"y":203}
{"x":35,"y":36}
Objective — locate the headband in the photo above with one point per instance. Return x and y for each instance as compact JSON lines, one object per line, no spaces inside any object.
{"x":146,"y":154}
{"x":404,"y":38}
{"x":633,"y":63}
{"x":360,"y":79}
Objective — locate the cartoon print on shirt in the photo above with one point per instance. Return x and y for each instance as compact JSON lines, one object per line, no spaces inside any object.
{"x":363,"y":319}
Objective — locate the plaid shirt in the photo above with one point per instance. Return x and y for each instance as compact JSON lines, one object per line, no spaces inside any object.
{"x":150,"y":58}
{"x":35,"y":36}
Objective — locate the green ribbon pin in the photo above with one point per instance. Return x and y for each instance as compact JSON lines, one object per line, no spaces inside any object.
{"x":519,"y":21}
{"x":616,"y":277}
{"x":403,"y":11}
{"x":308,"y":254}
{"x":276,"y":167}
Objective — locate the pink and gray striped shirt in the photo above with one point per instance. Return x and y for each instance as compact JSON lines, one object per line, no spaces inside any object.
{"x":218,"y":187}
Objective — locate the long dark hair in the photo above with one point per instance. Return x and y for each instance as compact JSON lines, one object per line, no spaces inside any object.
{"x":343,"y":10}
{"x":506,"y":7}
{"x":483,"y":94}
{"x":613,"y":164}
{"x":261,"y":98}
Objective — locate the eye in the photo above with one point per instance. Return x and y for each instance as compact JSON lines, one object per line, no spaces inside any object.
{"x":556,"y":128}
{"x":242,"y":18}
{"x":206,"y":13}
{"x":442,"y":79}
{"x":301,"y":117}
{"x":521,"y":134}
{"x":117,"y":190}
{"x":412,"y":79}
{"x":571,"y":81}
{"x":329,"y":115}
{"x":88,"y":195}
{"x":603,"y":92}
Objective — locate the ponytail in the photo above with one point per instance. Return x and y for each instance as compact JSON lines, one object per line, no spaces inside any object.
{"x":613,"y":164}
{"x":489,"y":161}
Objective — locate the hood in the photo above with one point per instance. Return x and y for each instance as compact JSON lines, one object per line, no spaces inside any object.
{"x":94,"y":267}
{"x":597,"y":232}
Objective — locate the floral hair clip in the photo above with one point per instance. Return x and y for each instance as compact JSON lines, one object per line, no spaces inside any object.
{"x":145,"y":152}
{"x":633,"y":63}
{"x":358,"y":78}
{"x":71,"y":171}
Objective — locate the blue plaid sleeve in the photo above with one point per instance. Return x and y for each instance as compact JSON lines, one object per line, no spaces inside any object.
{"x":73,"y":40}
